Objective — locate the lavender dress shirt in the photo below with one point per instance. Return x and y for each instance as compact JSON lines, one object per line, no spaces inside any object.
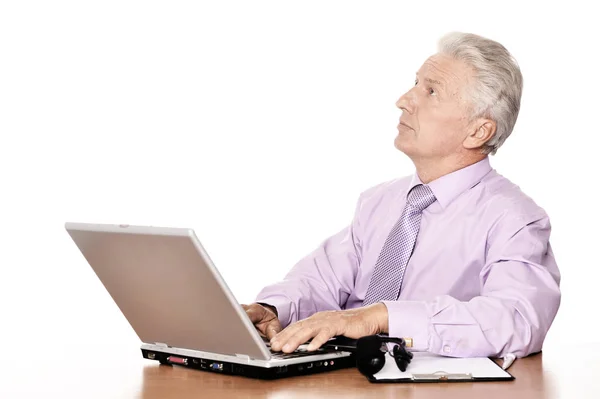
{"x":482,"y":280}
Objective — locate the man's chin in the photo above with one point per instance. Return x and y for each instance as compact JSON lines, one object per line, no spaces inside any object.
{"x":401,"y":144}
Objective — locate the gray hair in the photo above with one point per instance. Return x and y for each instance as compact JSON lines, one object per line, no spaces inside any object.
{"x":496,"y":93}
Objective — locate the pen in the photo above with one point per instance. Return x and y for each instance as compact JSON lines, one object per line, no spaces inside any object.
{"x":509,"y":358}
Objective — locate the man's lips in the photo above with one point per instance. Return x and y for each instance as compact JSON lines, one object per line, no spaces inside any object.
{"x":405,"y":124}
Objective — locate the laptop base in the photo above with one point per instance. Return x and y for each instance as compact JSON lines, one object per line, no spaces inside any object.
{"x":245,"y":370}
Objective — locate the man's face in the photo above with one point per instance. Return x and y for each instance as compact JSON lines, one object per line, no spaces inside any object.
{"x":434,"y":120}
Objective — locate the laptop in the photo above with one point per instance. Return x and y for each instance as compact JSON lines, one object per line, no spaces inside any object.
{"x":171,"y":293}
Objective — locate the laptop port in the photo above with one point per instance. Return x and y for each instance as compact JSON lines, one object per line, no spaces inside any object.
{"x":177,"y":360}
{"x":216,"y":366}
{"x":151,"y":355}
{"x":309,"y":366}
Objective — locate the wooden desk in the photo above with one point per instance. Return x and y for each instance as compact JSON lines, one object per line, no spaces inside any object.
{"x":122,"y":373}
{"x":547,"y":375}
{"x":93,"y":371}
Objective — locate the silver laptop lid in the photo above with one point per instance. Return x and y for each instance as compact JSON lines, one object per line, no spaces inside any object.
{"x":167,"y":287}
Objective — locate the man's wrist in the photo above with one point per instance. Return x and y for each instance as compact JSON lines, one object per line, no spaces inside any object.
{"x":270,"y":307}
{"x":382,"y":318}
{"x":376,"y":315}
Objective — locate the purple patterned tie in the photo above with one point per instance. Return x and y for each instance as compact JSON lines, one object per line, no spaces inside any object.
{"x":387,"y":278}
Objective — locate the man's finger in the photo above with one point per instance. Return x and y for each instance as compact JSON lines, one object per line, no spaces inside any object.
{"x":255,"y":312}
{"x":299,"y":338}
{"x":272,"y":329}
{"x":318,"y":341}
{"x":281,"y":338}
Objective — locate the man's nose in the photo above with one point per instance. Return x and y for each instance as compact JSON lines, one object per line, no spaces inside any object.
{"x":406,"y":102}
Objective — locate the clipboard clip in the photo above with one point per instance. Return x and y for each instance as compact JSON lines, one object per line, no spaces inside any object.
{"x":442,"y":376}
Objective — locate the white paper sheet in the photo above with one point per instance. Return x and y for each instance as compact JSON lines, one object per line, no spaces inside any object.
{"x":427,"y":363}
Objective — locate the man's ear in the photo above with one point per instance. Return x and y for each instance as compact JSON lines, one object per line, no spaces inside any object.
{"x":482,"y":131}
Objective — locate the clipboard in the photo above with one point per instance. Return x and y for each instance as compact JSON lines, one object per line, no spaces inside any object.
{"x":428,"y":367}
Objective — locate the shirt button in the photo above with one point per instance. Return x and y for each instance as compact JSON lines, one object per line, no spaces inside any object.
{"x":447,"y":349}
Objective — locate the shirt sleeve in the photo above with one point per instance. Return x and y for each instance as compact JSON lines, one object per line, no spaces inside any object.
{"x":519,"y":299}
{"x":321,"y":281}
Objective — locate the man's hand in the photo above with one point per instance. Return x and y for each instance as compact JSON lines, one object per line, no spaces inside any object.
{"x":264,"y":318}
{"x":322,"y":326}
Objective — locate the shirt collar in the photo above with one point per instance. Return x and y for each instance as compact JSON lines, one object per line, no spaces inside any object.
{"x":450,"y":186}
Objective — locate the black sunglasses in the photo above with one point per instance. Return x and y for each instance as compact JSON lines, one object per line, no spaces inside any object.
{"x":371,"y":351}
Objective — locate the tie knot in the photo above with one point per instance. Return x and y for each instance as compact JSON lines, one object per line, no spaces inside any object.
{"x":421,"y":197}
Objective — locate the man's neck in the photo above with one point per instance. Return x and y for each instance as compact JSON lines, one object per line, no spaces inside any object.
{"x":429,"y":170}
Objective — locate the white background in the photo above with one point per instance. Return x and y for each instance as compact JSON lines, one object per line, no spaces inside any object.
{"x":257,"y":124}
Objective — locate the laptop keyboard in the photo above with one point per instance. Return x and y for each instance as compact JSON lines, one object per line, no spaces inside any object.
{"x":300,"y":352}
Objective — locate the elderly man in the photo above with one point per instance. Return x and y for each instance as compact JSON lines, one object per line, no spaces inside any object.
{"x":456,"y":257}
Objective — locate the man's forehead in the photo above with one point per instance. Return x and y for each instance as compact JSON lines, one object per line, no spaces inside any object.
{"x":433,"y":66}
{"x":442,"y":69}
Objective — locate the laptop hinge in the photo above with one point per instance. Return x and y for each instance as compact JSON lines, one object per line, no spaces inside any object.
{"x":245,"y":357}
{"x":162,"y":345}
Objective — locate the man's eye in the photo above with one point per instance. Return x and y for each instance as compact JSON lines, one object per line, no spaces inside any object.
{"x":416,"y":81}
{"x":432,"y":92}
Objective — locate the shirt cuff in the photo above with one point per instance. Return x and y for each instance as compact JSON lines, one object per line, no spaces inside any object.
{"x":408,"y":319}
{"x":283,"y":307}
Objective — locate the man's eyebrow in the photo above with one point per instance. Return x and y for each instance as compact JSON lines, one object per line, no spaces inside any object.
{"x":432,"y":81}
